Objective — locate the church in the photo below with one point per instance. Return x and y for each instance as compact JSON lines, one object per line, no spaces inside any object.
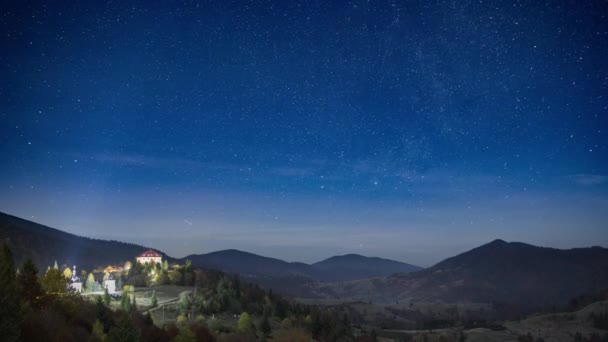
{"x":149,"y":257}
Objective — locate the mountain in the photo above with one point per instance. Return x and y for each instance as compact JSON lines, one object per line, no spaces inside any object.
{"x":354,"y":266}
{"x":44,"y":245}
{"x":510,"y":273}
{"x":337,"y":268}
{"x":235,"y":261}
{"x":295,"y":278}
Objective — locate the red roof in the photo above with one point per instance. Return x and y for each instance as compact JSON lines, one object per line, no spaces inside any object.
{"x":149,"y":253}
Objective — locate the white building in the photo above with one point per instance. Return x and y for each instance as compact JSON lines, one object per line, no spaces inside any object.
{"x":149,"y":257}
{"x":75,"y":282}
{"x":110,"y":284}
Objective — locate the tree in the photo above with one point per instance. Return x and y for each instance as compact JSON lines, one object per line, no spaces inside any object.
{"x":128,"y":266}
{"x":125,"y":303}
{"x":165,"y":265}
{"x":185,"y":335}
{"x":124,"y":331}
{"x":265,"y":326}
{"x":286,"y":324}
{"x":98,"y":330}
{"x":54,"y":282}
{"x":67,"y":273}
{"x":374,"y":336}
{"x":280,"y":309}
{"x":245,"y":324}
{"x":27,"y":282}
{"x":55,"y":266}
{"x":90,"y":284}
{"x":316,"y":326}
{"x":183,"y":304}
{"x":106,"y":297}
{"x":10,"y":306}
{"x":154,"y":300}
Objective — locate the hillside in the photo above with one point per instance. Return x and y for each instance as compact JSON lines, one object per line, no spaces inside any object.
{"x":354,"y":266}
{"x":235,"y":261}
{"x":295,"y":278}
{"x":558,"y":327}
{"x":336,"y":268}
{"x":44,"y":245}
{"x":510,"y":273}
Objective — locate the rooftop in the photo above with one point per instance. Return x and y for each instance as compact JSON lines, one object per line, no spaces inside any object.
{"x":149,"y":253}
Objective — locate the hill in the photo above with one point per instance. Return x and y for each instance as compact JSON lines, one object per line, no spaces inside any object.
{"x":336,"y":268}
{"x":510,"y":273}
{"x":44,"y":245}
{"x":295,"y":278}
{"x":354,"y":266}
{"x":244,"y":263}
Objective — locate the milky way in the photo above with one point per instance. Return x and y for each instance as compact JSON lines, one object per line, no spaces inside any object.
{"x":411,"y":130}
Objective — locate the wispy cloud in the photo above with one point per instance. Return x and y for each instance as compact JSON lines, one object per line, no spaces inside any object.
{"x":141,"y":160}
{"x":289,"y":171}
{"x":589,"y":179}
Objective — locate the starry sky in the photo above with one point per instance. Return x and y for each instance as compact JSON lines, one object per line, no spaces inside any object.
{"x":410,"y":130}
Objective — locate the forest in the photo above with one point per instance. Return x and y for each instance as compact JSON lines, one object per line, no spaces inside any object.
{"x":36,"y":308}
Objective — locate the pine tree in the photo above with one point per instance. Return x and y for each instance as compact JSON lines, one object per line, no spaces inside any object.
{"x":265,"y":326}
{"x":55,"y":266}
{"x":90,"y":284}
{"x":10,"y":306}
{"x":280,"y":309}
{"x":125,"y":302}
{"x":27,"y":282}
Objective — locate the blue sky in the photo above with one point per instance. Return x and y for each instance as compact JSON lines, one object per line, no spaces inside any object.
{"x":410,"y":130}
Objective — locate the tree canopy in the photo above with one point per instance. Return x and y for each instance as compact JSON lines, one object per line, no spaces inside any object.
{"x":10,"y":306}
{"x":245,"y":324}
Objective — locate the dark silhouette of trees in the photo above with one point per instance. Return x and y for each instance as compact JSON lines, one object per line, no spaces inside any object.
{"x":54,"y":282}
{"x":124,"y":331}
{"x":27,"y":283}
{"x":10,"y":306}
{"x":265,"y":327}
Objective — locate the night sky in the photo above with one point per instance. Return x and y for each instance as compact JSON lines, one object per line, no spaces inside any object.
{"x":411,"y":130}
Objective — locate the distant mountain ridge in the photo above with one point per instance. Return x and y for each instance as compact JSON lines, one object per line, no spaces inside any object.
{"x":44,"y":245}
{"x":355,"y":266}
{"x":336,"y":268}
{"x":513,"y":273}
{"x":508,"y":272}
